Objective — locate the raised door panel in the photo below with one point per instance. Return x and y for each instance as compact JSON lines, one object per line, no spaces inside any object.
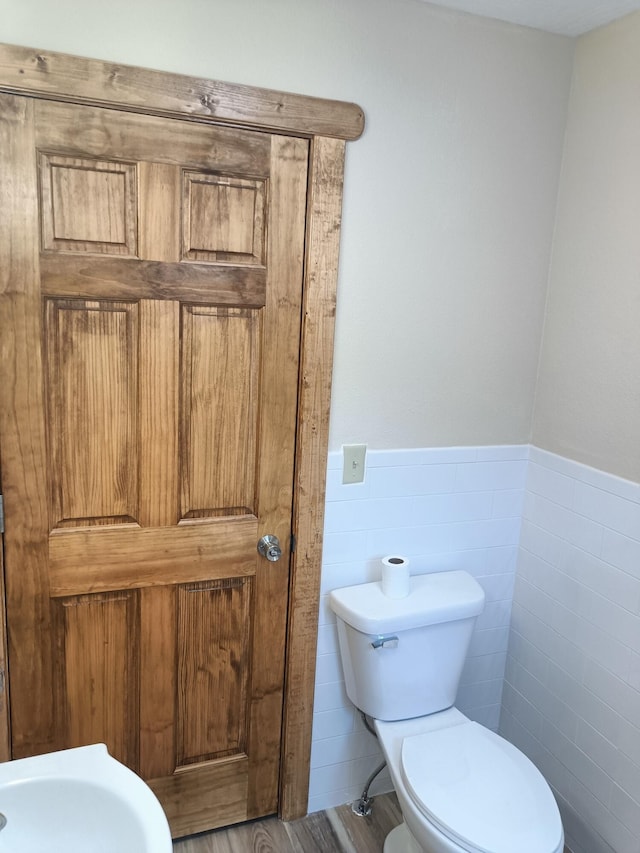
{"x":97,"y":659}
{"x":92,"y":385}
{"x":88,"y":205}
{"x":220,"y":384}
{"x":213,"y":669}
{"x":223,"y":218}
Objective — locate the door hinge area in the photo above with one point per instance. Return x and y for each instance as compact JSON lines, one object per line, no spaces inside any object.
{"x":1,"y":514}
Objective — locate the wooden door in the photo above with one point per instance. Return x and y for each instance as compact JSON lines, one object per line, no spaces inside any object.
{"x":150,"y":334}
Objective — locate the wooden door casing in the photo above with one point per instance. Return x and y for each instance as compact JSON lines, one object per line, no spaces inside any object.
{"x":151,"y":392}
{"x":39,"y":72}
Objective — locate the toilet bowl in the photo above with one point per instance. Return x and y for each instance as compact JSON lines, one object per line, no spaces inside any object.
{"x":461,"y":787}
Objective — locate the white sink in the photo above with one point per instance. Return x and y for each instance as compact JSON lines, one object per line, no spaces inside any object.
{"x":76,"y":801}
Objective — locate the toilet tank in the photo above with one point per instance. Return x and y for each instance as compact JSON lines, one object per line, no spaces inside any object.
{"x":403,"y":658}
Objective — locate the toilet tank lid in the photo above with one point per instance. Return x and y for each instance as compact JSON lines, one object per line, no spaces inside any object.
{"x":435,"y":597}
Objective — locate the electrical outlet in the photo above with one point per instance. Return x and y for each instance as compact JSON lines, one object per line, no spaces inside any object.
{"x":354,"y":463}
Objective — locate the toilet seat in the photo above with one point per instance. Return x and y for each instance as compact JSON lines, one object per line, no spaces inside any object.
{"x":480,"y":791}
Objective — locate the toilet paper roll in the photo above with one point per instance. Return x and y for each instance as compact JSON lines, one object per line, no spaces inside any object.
{"x":395,"y":577}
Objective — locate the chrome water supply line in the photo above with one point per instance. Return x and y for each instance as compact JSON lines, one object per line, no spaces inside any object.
{"x":364,"y":805}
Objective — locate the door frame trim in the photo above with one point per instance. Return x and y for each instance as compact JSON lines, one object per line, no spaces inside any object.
{"x":328,"y":125}
{"x":78,"y":80}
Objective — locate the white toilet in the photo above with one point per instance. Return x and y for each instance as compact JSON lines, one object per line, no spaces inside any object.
{"x":460,"y":786}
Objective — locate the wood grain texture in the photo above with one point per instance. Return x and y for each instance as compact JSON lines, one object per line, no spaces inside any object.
{"x":89,"y":135}
{"x":5,"y":699}
{"x":97,"y":664}
{"x":85,"y":131}
{"x":159,"y":220}
{"x":29,"y":71}
{"x":265,"y":835}
{"x":92,"y":355}
{"x":221,"y":363}
{"x":192,"y":393}
{"x":158,"y":646}
{"x":158,"y":412}
{"x":223,"y":219}
{"x":100,"y":559}
{"x":277,"y":431}
{"x":24,"y":480}
{"x":91,"y":278}
{"x":358,"y":833}
{"x":197,"y":796}
{"x":335,"y":830}
{"x":88,"y":205}
{"x":214,"y":635}
{"x":321,"y":273}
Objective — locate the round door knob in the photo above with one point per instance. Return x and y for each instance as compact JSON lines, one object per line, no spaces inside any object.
{"x":269,"y":547}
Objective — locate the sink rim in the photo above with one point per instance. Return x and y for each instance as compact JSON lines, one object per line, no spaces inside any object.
{"x":94,"y":766}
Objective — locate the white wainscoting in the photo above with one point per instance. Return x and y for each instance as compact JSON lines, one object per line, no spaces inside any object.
{"x":572,"y":688}
{"x":445,"y":509}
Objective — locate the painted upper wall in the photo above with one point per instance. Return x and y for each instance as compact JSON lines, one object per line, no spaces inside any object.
{"x":449,"y":211}
{"x":450,"y":194}
{"x":588,"y":403}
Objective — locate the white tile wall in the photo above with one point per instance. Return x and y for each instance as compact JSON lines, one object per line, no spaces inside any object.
{"x":571,"y":696}
{"x":444,"y":508}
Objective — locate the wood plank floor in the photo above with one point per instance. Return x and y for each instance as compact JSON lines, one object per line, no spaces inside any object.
{"x":333,"y":831}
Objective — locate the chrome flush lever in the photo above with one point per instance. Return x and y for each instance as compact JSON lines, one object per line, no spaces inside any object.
{"x":385,"y":643}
